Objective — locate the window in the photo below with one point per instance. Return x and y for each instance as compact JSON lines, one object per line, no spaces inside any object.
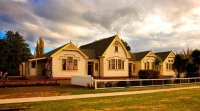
{"x":119,"y":63}
{"x":116,"y":64}
{"x":170,"y":67}
{"x":70,"y":63}
{"x":63,"y":64}
{"x":75,"y":64}
{"x":33,"y":64}
{"x":96,"y":67}
{"x":146,"y":65}
{"x":122,"y":64}
{"x":133,"y":68}
{"x":112,"y":63}
{"x":167,"y":67}
{"x":116,"y":48}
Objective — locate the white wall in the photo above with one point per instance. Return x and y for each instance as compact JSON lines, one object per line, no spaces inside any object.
{"x":111,"y":54}
{"x":81,"y":80}
{"x":57,"y":64}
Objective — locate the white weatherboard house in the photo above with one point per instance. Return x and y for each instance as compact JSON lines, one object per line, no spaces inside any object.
{"x":105,"y":58}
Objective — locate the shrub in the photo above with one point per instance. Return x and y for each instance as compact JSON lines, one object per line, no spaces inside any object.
{"x":122,"y":84}
{"x":192,"y":74}
{"x":149,"y":74}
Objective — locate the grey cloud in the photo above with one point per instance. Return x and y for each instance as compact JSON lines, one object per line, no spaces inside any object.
{"x":106,"y":16}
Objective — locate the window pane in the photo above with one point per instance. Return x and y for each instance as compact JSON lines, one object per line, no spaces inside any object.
{"x":116,"y":48}
{"x":63,"y":64}
{"x":122,"y":64}
{"x":33,"y":64}
{"x":147,"y":65}
{"x":75,"y":64}
{"x":112,"y":63}
{"x":166,"y":66}
{"x":119,"y":63}
{"x":69,"y":63}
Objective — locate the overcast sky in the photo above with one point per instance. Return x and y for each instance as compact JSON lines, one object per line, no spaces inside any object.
{"x":158,"y":25}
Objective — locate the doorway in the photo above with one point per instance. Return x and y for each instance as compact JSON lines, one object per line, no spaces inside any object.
{"x":91,"y":68}
{"x":130,"y":69}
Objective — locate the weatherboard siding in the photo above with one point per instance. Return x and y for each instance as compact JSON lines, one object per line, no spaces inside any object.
{"x":111,"y":54}
{"x":57,"y":64}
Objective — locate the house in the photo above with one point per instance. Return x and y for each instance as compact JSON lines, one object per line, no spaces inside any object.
{"x":105,"y":58}
{"x":109,"y":55}
{"x":63,"y":62}
{"x":141,"y":60}
{"x":166,"y":65}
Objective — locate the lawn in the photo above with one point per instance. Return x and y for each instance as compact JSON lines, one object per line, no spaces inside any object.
{"x":44,"y":91}
{"x":182,"y":100}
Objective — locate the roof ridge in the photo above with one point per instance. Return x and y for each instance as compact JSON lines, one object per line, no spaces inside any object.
{"x":98,"y":41}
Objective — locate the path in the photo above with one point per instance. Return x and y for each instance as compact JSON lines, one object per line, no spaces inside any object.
{"x":36,"y":99}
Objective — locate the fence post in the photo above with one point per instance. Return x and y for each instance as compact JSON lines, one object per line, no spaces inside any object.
{"x":140,"y":82}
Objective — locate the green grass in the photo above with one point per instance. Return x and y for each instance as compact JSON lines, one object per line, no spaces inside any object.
{"x":93,"y":91}
{"x":182,"y":100}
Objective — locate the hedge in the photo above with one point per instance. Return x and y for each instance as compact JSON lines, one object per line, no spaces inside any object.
{"x":149,"y":74}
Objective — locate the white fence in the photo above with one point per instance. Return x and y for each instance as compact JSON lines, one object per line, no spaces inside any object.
{"x":81,"y":80}
{"x":120,"y":83}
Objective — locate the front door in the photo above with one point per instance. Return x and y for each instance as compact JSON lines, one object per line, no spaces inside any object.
{"x":90,"y":68}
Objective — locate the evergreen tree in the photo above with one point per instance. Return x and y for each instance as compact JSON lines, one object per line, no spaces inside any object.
{"x":14,"y":51}
{"x":180,"y":64}
{"x":196,"y":59}
{"x":128,"y":48}
{"x":157,"y":62}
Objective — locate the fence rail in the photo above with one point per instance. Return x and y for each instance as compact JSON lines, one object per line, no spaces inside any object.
{"x":121,"y":83}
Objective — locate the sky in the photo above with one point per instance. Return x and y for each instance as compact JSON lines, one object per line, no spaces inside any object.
{"x":157,"y":25}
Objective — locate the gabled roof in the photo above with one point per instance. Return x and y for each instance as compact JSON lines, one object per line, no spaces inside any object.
{"x":140,"y":55}
{"x":163,"y":55}
{"x":57,"y":50}
{"x":133,"y":58}
{"x":90,"y":53}
{"x":50,"y":53}
{"x":99,"y":46}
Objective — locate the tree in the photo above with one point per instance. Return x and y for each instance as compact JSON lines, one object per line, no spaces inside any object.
{"x":157,"y":62}
{"x":14,"y":51}
{"x":128,"y":48}
{"x":196,"y":59}
{"x":39,"y":49}
{"x":187,"y":52}
{"x":180,"y":64}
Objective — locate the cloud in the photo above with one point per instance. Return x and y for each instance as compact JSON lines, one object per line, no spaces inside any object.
{"x":144,"y":24}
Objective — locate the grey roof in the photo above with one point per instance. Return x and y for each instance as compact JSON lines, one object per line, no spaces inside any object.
{"x":99,"y":46}
{"x":163,"y":55}
{"x":140,"y":55}
{"x":48,"y":54}
{"x":90,"y":53}
{"x":133,"y":57}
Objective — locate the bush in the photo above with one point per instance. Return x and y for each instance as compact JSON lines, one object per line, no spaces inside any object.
{"x":149,"y":74}
{"x":122,"y":84}
{"x":192,"y":74}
